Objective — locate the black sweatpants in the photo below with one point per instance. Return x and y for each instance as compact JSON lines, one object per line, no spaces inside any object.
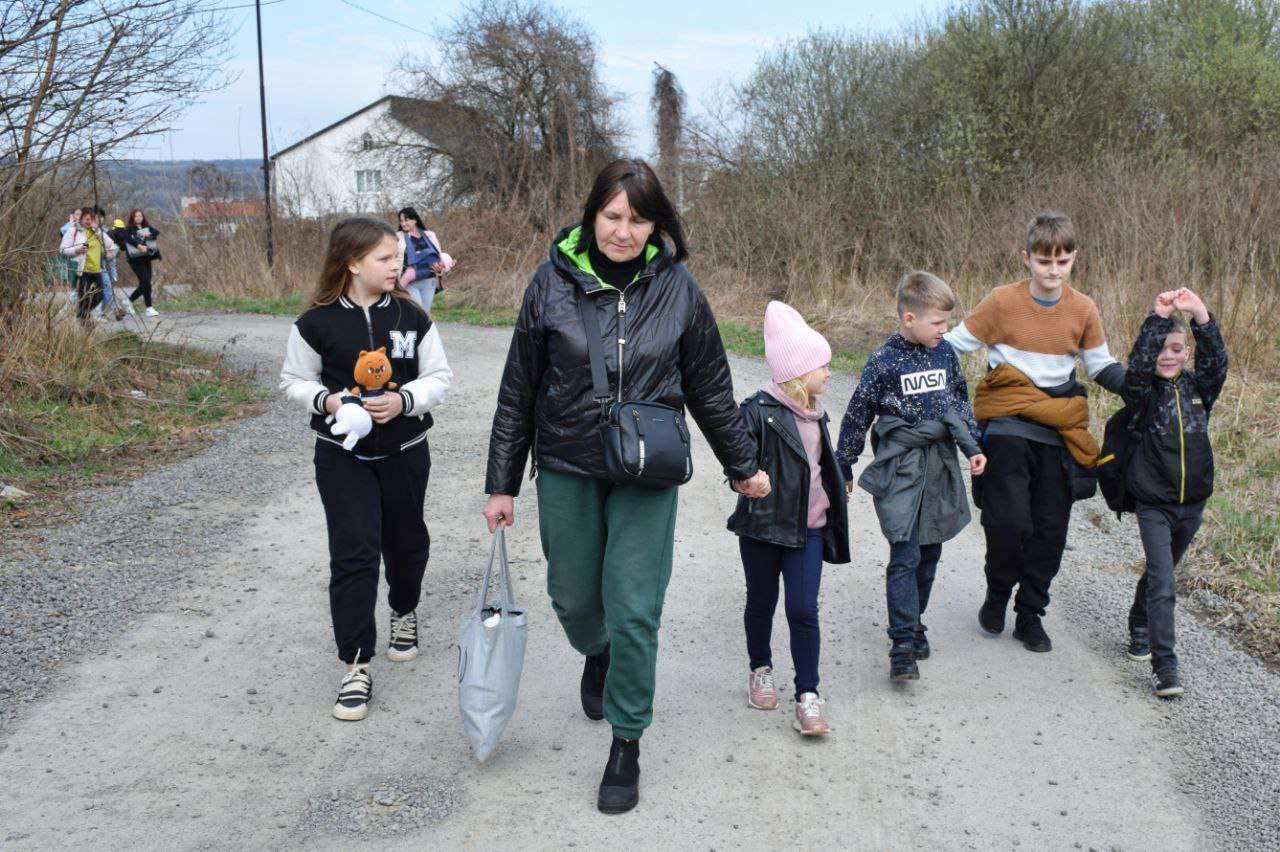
{"x":374,"y":513}
{"x":1167,"y":531}
{"x":141,"y":267}
{"x":88,"y":293}
{"x":1026,"y":508}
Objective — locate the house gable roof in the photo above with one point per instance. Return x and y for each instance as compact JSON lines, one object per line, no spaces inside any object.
{"x":397,"y":106}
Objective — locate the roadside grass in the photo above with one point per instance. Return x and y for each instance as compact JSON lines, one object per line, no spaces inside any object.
{"x":92,"y":408}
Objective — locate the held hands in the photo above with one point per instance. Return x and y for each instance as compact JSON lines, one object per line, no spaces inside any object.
{"x":977,"y":464}
{"x":351,"y":420}
{"x":1186,"y":300}
{"x":385,"y":407}
{"x":754,"y":488}
{"x":499,"y":509}
{"x":1164,"y":306}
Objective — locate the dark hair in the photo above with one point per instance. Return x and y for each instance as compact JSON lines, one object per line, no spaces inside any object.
{"x":88,"y":210}
{"x":128,"y":223}
{"x":1050,"y":233}
{"x":349,"y":240}
{"x":412,"y":215}
{"x":644,"y":194}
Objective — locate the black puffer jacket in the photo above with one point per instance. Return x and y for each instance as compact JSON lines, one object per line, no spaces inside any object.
{"x":783,"y":517}
{"x":673,"y":355}
{"x":1173,"y":462}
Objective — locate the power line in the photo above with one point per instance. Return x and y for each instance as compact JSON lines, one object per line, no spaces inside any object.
{"x":385,"y":18}
{"x":243,"y":6}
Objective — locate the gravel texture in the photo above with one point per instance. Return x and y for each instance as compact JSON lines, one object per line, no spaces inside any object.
{"x":159,"y":666}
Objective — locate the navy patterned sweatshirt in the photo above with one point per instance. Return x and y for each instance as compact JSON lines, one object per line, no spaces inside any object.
{"x":908,"y":380}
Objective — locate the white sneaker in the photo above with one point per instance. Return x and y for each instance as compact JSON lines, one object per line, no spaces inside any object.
{"x":152,"y":312}
{"x":353,"y":695}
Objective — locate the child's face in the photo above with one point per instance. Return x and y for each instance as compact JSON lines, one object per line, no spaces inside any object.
{"x":379,"y":269}
{"x":926,"y":327}
{"x":815,"y":381}
{"x":1049,"y":271}
{"x":1173,"y":357}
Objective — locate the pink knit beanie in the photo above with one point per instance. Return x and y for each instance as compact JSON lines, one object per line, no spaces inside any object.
{"x":791,"y":348}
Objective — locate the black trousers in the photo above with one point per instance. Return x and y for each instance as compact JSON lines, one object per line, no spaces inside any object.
{"x":374,"y":513}
{"x":1167,"y":531}
{"x":142,"y":269}
{"x":1026,"y":508}
{"x":88,"y":293}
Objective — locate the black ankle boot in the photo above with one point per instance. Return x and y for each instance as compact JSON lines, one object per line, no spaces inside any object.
{"x":1030,"y":632}
{"x":620,"y":786}
{"x":991,"y":616}
{"x":591,"y":689}
{"x":920,"y":646}
{"x":902,"y":661}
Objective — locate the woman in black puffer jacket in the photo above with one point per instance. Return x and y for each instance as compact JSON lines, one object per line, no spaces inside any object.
{"x":609,"y":546}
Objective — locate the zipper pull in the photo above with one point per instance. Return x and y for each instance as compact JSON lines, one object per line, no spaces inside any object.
{"x":622,"y":303}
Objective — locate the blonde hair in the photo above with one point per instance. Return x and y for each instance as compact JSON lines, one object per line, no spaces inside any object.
{"x":920,"y":290}
{"x":1180,"y":326}
{"x":796,"y":392}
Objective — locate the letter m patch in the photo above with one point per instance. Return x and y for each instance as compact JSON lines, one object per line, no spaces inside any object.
{"x":923,"y":382}
{"x":404,"y":344}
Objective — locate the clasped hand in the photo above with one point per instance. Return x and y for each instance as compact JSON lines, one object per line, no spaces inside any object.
{"x":754,"y":488}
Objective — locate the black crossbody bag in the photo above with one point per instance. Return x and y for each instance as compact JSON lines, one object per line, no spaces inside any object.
{"x":645,"y":443}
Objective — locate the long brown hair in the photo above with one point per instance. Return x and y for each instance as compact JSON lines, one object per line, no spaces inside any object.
{"x":350,"y":239}
{"x":128,"y":223}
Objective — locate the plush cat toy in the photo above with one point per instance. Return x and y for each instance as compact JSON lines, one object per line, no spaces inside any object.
{"x":372,"y":374}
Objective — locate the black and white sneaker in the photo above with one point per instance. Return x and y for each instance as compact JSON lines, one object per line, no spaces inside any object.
{"x":1139,"y":644}
{"x":354,"y":695}
{"x":1166,"y":683}
{"x":404,"y":637}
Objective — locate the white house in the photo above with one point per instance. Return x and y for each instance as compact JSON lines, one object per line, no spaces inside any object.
{"x":376,"y":159}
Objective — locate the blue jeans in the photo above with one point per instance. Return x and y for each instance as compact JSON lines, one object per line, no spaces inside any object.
{"x":423,"y":291}
{"x":108,"y":281}
{"x":801,"y":571}
{"x":908,"y":582}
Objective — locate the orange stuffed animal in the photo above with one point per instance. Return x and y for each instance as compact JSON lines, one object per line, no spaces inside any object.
{"x":372,"y":374}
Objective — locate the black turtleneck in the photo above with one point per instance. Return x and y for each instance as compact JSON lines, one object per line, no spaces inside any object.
{"x":611,"y":272}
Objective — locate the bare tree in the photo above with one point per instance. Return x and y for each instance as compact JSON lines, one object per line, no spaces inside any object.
{"x":668,"y":104}
{"x":75,"y":73}
{"x":517,"y":107}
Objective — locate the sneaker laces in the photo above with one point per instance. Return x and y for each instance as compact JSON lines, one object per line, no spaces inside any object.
{"x":812,"y":707}
{"x":404,"y":627}
{"x":763,"y":680}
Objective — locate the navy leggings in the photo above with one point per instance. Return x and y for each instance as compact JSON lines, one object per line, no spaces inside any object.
{"x":801,"y":572}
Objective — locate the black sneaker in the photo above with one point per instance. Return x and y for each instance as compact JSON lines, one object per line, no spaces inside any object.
{"x":1166,"y":683}
{"x":991,"y":615}
{"x":354,"y":695}
{"x":902,"y":663}
{"x":404,"y":637}
{"x":591,"y":689}
{"x":1139,"y":644}
{"x":920,"y":646}
{"x":1030,"y":632}
{"x":620,"y":786}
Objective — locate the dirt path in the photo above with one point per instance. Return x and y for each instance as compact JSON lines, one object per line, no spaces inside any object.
{"x":205,"y":723}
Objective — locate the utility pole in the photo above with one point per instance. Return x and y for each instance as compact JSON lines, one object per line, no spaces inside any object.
{"x":93,"y":172}
{"x":266,"y":162}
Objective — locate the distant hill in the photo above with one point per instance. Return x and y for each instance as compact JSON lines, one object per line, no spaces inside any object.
{"x":160,"y":184}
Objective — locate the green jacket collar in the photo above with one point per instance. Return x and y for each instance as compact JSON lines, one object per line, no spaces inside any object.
{"x":567,"y":246}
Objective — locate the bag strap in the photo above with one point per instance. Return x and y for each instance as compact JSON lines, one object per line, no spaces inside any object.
{"x":488,"y":570}
{"x":595,"y":351}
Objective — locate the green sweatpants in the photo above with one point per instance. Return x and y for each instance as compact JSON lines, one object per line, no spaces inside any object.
{"x":609,"y":550}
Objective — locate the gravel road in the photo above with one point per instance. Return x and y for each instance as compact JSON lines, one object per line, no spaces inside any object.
{"x":168,"y":671}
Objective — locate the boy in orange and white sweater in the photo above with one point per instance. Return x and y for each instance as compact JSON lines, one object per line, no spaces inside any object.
{"x":1038,"y":328}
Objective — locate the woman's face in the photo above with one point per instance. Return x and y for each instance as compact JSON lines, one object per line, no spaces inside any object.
{"x":137,"y":218}
{"x":378,"y":270}
{"x":620,"y":233}
{"x":406,"y":224}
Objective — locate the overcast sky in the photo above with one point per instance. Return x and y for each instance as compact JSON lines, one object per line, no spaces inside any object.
{"x":325,"y":59}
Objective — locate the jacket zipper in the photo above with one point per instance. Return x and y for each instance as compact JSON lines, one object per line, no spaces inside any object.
{"x":368,"y":325}
{"x":622,"y":334}
{"x":1182,"y":447}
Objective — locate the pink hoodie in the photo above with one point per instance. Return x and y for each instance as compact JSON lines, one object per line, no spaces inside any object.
{"x":809,"y":424}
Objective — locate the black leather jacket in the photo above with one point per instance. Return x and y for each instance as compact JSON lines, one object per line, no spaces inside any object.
{"x":673,"y":355}
{"x":783,"y":517}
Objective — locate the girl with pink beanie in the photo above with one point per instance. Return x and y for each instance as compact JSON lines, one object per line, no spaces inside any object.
{"x":802,"y":523}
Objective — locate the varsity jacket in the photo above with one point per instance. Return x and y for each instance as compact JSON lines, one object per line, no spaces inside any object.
{"x":909,"y":381}
{"x":1173,"y":462}
{"x":320,"y":360}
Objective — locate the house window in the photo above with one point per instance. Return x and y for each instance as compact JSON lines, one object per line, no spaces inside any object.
{"x":369,"y":180}
{"x":366,"y":142}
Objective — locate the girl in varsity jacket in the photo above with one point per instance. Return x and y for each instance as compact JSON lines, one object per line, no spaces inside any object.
{"x":373,"y":488}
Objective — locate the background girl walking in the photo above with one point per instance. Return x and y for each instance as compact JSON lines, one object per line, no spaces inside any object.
{"x":373,"y":493}
{"x":140,"y":239}
{"x":803,"y":522}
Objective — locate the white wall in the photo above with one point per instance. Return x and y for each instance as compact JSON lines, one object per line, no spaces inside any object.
{"x":319,"y":177}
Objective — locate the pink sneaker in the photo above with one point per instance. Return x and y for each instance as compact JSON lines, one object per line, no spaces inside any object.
{"x":809,"y":719}
{"x":761,"y":693}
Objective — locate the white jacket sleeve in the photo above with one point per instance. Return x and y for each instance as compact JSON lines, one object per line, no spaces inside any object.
{"x":300,"y":375}
{"x":963,"y":340}
{"x":68,"y":244}
{"x":434,"y":377}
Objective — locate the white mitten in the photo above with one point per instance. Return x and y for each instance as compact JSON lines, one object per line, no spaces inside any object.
{"x":353,"y":421}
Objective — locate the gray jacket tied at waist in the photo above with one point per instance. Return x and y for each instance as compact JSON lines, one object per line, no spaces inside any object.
{"x":916,"y":472}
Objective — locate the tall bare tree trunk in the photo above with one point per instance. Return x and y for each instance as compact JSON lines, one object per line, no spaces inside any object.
{"x":668,"y":105}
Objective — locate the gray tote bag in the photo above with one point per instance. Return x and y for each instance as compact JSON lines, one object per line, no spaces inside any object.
{"x":490,"y":657}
